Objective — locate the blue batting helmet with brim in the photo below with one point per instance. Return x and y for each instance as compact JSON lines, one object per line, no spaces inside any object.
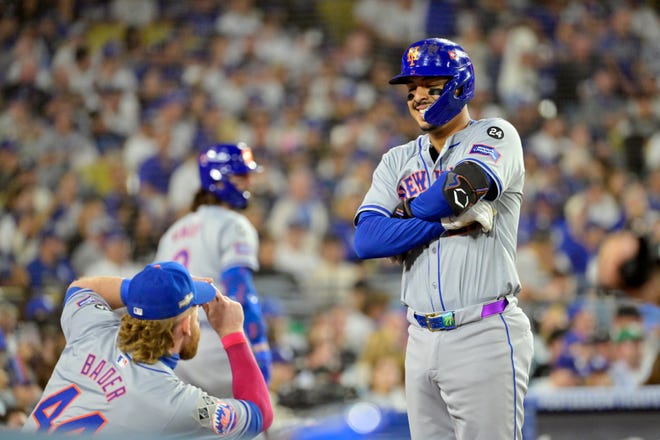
{"x":439,"y":57}
{"x":219,"y":162}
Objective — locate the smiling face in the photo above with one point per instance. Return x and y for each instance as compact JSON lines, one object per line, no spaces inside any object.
{"x":422,"y":93}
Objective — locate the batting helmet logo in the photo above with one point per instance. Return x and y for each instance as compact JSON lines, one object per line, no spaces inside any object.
{"x":247,"y":155}
{"x":413,"y":55}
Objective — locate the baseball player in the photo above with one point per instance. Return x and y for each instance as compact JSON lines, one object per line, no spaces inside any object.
{"x":116,"y":375}
{"x":469,"y":344}
{"x":216,"y":241}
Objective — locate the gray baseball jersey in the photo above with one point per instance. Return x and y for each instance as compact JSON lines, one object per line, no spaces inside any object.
{"x":458,"y":271}
{"x":469,"y":381}
{"x":95,"y":387}
{"x":207,"y":242}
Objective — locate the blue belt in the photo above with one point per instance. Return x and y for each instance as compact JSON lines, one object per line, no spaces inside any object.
{"x":447,"y":320}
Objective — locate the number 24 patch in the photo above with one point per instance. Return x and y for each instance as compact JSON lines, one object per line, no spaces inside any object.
{"x":495,"y":132}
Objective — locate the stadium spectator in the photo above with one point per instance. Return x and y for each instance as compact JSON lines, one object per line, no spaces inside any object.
{"x":116,"y":259}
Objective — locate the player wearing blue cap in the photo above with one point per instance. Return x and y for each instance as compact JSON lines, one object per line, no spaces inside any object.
{"x":217,"y":241}
{"x":116,"y":375}
{"x":447,"y":205}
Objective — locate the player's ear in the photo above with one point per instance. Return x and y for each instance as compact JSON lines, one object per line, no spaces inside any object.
{"x":186,"y":325}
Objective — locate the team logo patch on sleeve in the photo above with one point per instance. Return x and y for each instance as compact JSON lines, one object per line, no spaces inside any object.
{"x":485,"y":150}
{"x":224,"y":418}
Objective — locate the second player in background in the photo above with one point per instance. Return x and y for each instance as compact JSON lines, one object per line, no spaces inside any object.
{"x":215,"y":240}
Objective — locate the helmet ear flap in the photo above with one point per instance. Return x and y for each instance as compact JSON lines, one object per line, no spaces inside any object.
{"x":457,"y":92}
{"x":465,"y":81}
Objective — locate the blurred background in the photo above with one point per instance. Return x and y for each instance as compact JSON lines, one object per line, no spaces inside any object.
{"x":104,"y":106}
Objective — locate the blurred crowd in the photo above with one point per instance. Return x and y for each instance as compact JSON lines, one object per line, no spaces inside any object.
{"x":105,"y":105}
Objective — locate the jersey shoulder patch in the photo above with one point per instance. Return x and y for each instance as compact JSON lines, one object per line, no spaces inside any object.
{"x":83,"y":297}
{"x":88,"y":299}
{"x":224,"y":418}
{"x":495,"y":132}
{"x":485,"y":150}
{"x":218,"y":415}
{"x":496,"y":128}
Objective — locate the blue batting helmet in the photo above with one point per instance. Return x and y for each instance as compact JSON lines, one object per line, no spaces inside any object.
{"x":442,"y":58}
{"x":219,"y":162}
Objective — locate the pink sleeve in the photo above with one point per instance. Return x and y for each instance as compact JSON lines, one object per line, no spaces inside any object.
{"x":248,"y":382}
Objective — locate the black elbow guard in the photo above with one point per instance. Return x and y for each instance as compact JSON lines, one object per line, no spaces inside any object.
{"x":466,"y":184}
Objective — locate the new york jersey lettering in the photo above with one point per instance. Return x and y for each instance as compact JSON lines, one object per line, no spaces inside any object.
{"x":415,"y":184}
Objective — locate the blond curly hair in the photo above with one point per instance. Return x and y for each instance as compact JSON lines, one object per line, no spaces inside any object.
{"x":147,"y":340}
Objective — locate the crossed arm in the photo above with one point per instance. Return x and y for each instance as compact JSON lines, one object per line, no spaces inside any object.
{"x":452,"y":202}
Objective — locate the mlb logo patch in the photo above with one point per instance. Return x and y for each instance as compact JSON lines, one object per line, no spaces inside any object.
{"x":122,"y":361}
{"x":485,"y":150}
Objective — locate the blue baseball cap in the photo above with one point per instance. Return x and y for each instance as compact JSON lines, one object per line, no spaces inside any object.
{"x":164,"y":290}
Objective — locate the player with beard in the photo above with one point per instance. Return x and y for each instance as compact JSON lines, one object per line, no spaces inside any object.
{"x":447,"y":205}
{"x":116,"y":375}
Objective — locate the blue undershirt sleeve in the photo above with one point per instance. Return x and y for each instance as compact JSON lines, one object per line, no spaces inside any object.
{"x":239,"y":285}
{"x":256,"y":419}
{"x":432,"y":205}
{"x":378,"y":236}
